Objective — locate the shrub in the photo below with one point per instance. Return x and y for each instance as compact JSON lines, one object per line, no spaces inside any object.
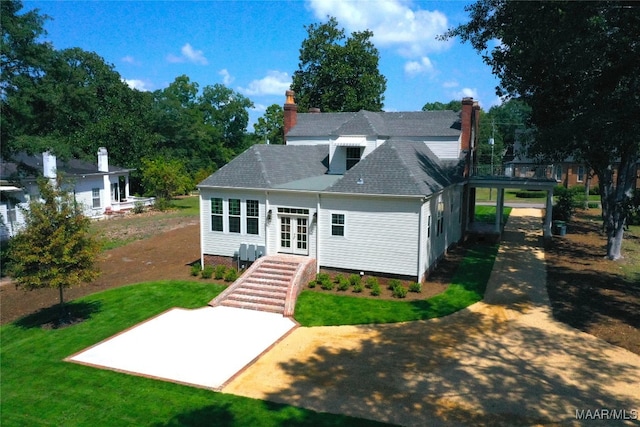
{"x":322,"y":277}
{"x":358,"y":287}
{"x":399,"y":291}
{"x":355,"y":279}
{"x":415,"y":287}
{"x":371,"y":282}
{"x":566,"y":205}
{"x":342,"y":282}
{"x":138,"y":208}
{"x":162,"y":204}
{"x":231,"y":275}
{"x":327,"y":284}
{"x":394,"y":283}
{"x":195,"y":269}
{"x":221,"y":270}
{"x":375,"y":289}
{"x":530,"y":194}
{"x":312,"y":284}
{"x":207,"y":272}
{"x":593,"y":205}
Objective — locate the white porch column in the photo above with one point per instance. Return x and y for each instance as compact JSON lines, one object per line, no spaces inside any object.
{"x":499,"y":208}
{"x":126,"y":187}
{"x":548,"y":215}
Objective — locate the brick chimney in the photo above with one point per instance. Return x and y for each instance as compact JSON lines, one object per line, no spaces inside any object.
{"x":468,"y":140}
{"x":290,"y":113}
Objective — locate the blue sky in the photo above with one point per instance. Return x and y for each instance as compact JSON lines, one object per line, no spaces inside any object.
{"x":253,"y":46}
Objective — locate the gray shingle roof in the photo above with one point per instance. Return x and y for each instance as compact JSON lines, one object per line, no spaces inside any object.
{"x":23,"y":165}
{"x":402,"y":124}
{"x":394,"y":168}
{"x":397,"y":168}
{"x":267,"y":166}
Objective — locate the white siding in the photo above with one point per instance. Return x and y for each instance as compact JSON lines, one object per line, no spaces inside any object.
{"x":435,"y":245}
{"x":223,"y":242}
{"x":445,"y":148}
{"x":381,"y":234}
{"x":83,"y":195}
{"x":307,"y":140}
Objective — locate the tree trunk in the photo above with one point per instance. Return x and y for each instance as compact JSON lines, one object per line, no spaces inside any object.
{"x":616,"y":202}
{"x":63,"y":315}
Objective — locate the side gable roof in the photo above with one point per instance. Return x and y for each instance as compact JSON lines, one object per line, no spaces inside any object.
{"x":267,"y":166}
{"x":419,"y":124}
{"x":397,"y":168}
{"x":24,"y":165}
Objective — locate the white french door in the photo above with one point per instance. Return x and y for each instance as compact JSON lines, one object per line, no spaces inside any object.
{"x":294,"y":235}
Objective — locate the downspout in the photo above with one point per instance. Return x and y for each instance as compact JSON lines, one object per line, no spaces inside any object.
{"x":318,"y":234}
{"x":266,"y":222}
{"x":420,"y":252}
{"x":202,"y":226}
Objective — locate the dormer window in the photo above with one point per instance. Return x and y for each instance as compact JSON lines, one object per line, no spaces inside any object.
{"x":353,"y":156}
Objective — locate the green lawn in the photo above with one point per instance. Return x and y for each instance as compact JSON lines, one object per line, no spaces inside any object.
{"x":488,"y":214}
{"x":467,"y":287}
{"x":39,"y":389}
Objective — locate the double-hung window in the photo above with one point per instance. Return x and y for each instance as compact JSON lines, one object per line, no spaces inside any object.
{"x":337,"y":224}
{"x":216,"y":214}
{"x":95,"y":197}
{"x":580,"y":173}
{"x":253,"y":210}
{"x":234,"y":215}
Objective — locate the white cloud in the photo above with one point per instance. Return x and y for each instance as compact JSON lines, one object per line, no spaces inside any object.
{"x":141,"y":85}
{"x":227,"y":78}
{"x":393,"y":22}
{"x":275,"y":83}
{"x":423,"y":66}
{"x":466,"y":92}
{"x":130,"y":60}
{"x":189,"y":54}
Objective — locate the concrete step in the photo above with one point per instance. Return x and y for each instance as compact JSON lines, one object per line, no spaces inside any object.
{"x":275,"y":271}
{"x":253,"y":306}
{"x":272,"y":277}
{"x":277,"y":293}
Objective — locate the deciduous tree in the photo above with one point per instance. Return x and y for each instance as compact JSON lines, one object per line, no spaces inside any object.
{"x":56,"y":248}
{"x":338,"y":73}
{"x":270,"y":127}
{"x":577,"y":65}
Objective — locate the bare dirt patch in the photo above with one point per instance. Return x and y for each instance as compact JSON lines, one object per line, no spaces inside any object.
{"x":592,"y":293}
{"x":172,"y":245}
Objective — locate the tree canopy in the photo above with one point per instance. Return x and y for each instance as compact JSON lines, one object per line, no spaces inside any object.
{"x":337,"y":73}
{"x":577,"y":65}
{"x":270,"y":127}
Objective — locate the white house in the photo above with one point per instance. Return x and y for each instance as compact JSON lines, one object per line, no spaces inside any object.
{"x":99,"y":187}
{"x":364,"y":192}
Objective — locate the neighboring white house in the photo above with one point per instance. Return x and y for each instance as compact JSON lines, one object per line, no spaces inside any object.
{"x":98,"y":187}
{"x":364,"y":192}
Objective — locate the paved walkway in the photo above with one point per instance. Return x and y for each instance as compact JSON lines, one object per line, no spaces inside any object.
{"x":504,"y":361}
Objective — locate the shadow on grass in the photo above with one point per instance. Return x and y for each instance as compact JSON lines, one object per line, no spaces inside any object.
{"x":225,"y":415}
{"x":74,"y":312}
